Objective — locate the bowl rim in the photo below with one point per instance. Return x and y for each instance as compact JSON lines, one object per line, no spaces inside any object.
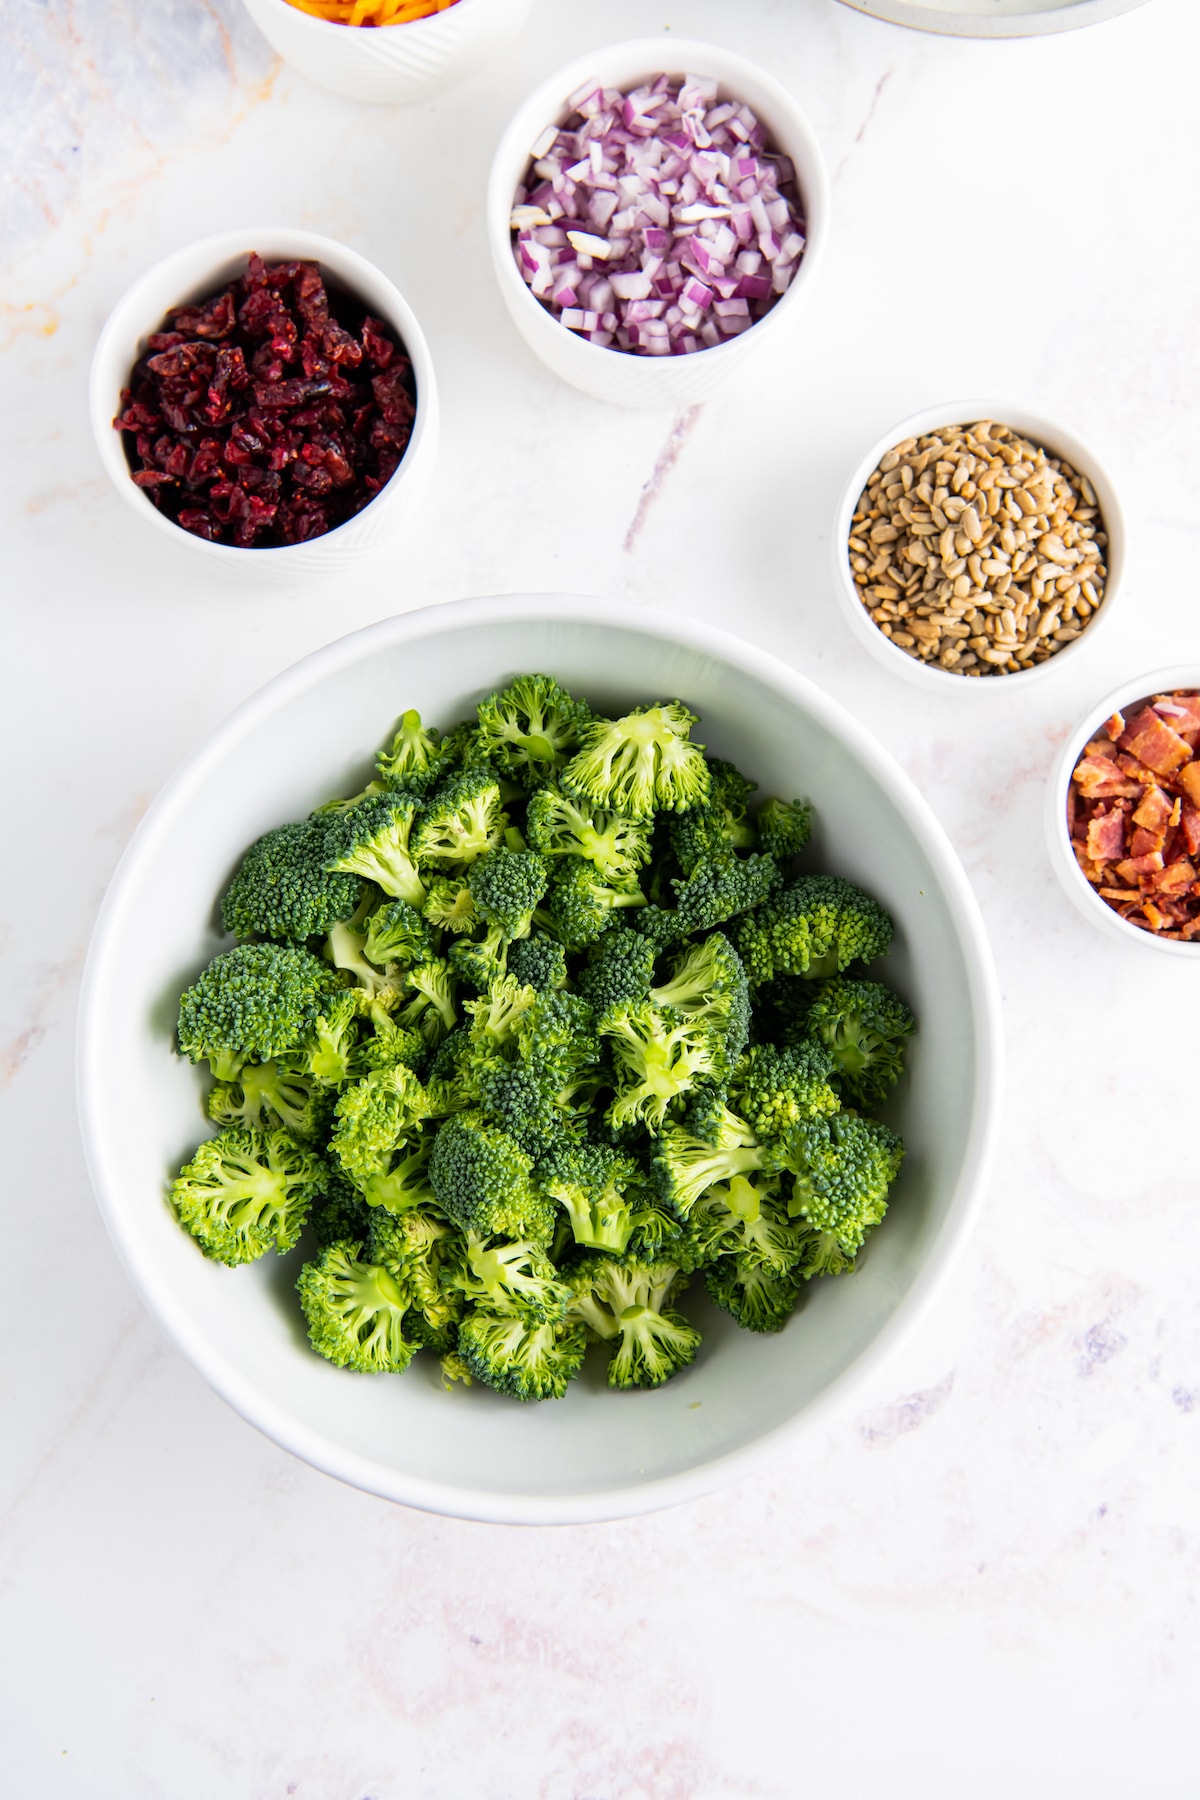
{"x":619,"y":1501}
{"x":1058,"y":845}
{"x":547,"y":101}
{"x":1050,"y":435}
{"x":346,"y":265}
{"x":964,"y":24}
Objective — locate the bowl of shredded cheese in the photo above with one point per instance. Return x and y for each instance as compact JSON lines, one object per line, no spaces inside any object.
{"x":387,"y":51}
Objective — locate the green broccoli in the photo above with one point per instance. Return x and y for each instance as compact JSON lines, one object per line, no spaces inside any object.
{"x":397,"y":936}
{"x":429,"y":1006}
{"x":715,"y":892}
{"x":757,"y":1296}
{"x":401,"y":1183}
{"x":626,"y":1301}
{"x":581,"y":905}
{"x":863,"y":1026}
{"x":338,"y":1211}
{"x":521,"y":1357}
{"x":506,"y":1277}
{"x":685,"y":1166}
{"x":784,"y":827}
{"x":282,"y":1092}
{"x":415,"y":758}
{"x":506,"y":886}
{"x":658,"y":1057}
{"x":462,"y":819}
{"x":617,"y":848}
{"x":450,"y":905}
{"x":844,"y":1167}
{"x":253,"y":1002}
{"x":496,"y":1016}
{"x":528,"y":729}
{"x":328,"y":1052}
{"x":708,"y":986}
{"x":640,"y":764}
{"x":417,"y":1247}
{"x":538,"y":962}
{"x":389,"y":1044}
{"x":776,"y":1090}
{"x":815,"y":927}
{"x":283,"y":890}
{"x":603,"y":1195}
{"x":517,"y":1098}
{"x":373,"y":1117}
{"x":356,"y":1311}
{"x":620,"y":968}
{"x":744,"y":1217}
{"x":245,"y":1192}
{"x":481,"y":1177}
{"x":374,"y":839}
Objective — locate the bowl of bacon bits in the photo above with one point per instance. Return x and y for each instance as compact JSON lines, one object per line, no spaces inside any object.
{"x":1123,"y":812}
{"x":656,"y":209}
{"x":266,"y":398}
{"x":388,"y":51}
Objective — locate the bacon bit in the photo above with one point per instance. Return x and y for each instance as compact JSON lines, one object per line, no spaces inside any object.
{"x":1175,"y":880}
{"x":1146,"y":843}
{"x":1156,"y":811}
{"x":1189,"y":780}
{"x":1106,"y":837}
{"x":1151,"y":739}
{"x":1115,"y":727}
{"x":1190,"y":827}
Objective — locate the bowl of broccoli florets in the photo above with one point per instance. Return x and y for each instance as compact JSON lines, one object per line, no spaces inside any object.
{"x":535,"y":1057}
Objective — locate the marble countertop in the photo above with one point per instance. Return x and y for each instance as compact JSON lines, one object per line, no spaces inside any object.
{"x":983,"y":1578}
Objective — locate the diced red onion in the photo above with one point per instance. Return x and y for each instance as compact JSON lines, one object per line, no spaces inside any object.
{"x":657,"y":221}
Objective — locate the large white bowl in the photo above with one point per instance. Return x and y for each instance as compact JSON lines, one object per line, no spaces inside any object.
{"x":619,"y":375}
{"x":1039,"y":430}
{"x":204,"y":268}
{"x":994,"y":18}
{"x":392,"y":64}
{"x":310,"y":734}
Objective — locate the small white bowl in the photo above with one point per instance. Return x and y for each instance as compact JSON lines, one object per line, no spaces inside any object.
{"x":621,"y":376}
{"x":202,"y":269}
{"x":1058,"y":842}
{"x":1041,"y":431}
{"x":596,"y":1454}
{"x":390,"y":64}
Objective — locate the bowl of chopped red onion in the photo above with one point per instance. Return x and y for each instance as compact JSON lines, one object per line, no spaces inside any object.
{"x":1123,"y":812}
{"x":266,"y":399}
{"x":371,"y":58}
{"x":977,"y":545}
{"x":656,"y":209}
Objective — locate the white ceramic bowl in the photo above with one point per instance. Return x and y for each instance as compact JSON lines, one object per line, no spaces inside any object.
{"x":312,"y":733}
{"x":617,"y":375}
{"x":204,"y":268}
{"x":390,"y":64}
{"x":1038,"y":430}
{"x":994,"y":18}
{"x":1058,"y":842}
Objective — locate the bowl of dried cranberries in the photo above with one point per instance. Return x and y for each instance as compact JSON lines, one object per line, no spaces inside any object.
{"x":266,"y":398}
{"x":1123,"y":812}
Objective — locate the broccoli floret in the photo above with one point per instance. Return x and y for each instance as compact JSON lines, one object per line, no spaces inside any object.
{"x":581,"y":905}
{"x":496,"y":1017}
{"x":776,"y":1090}
{"x":719,"y":826}
{"x":506,"y":886}
{"x":844,"y":1167}
{"x":627,"y":1301}
{"x":757,"y":1296}
{"x":708,"y":985}
{"x":397,"y":935}
{"x":415,"y":758}
{"x":528,"y":729}
{"x":374,"y":839}
{"x":397,"y":1187}
{"x":617,"y":848}
{"x":390,"y":1045}
{"x":245,"y":1192}
{"x":685,"y":1166}
{"x":815,"y":927}
{"x":450,"y":905}
{"x":372,"y":1119}
{"x":780,"y":1010}
{"x":346,"y":949}
{"x":824,"y":1253}
{"x":658,"y":1057}
{"x":462,"y":819}
{"x":719,"y":890}
{"x":505,"y":1277}
{"x":517,"y":1098}
{"x":338,"y":1212}
{"x":276,"y":1093}
{"x":784,"y":827}
{"x":640,"y":764}
{"x":538,"y":962}
{"x":328,"y":1052}
{"x":480,"y":962}
{"x":417,"y":1248}
{"x":429,"y":1005}
{"x":521,"y":1357}
{"x":745,"y":1217}
{"x":283,"y":889}
{"x":355,"y":1311}
{"x":603,"y":1194}
{"x":620,"y":967}
{"x":863,"y":1026}
{"x":252,"y":1002}
{"x":481,"y":1177}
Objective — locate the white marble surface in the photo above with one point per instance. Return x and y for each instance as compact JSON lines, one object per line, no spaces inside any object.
{"x":984,"y":1578}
